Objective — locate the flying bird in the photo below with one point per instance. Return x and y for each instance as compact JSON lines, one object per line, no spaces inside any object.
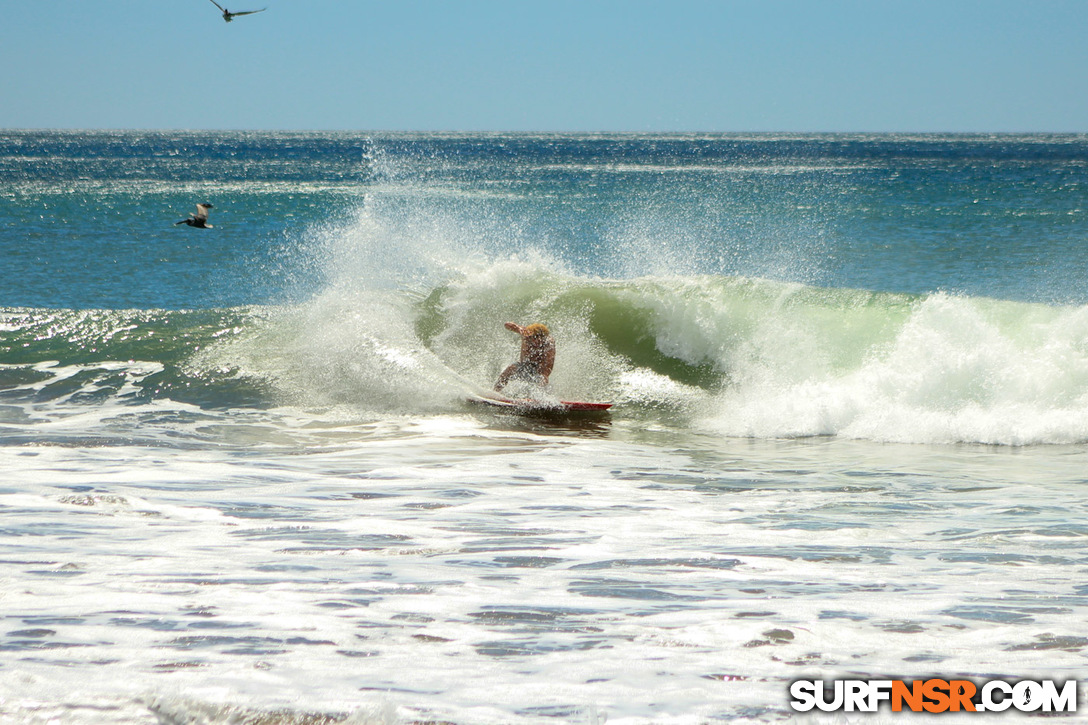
{"x":228,"y":15}
{"x":200,"y":219}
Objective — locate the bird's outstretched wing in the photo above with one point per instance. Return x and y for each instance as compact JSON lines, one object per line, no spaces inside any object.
{"x":213,"y":2}
{"x":249,"y":12}
{"x":202,"y":211}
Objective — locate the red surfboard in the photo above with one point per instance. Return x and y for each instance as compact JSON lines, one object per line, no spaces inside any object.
{"x":527,"y":405}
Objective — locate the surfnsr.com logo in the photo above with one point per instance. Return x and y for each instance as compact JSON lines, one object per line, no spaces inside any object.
{"x":934,"y":695}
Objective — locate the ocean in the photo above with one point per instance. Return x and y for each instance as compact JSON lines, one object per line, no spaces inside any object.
{"x":240,"y":480}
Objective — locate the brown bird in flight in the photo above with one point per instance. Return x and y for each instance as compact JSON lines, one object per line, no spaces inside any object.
{"x":228,"y":15}
{"x":200,"y":219}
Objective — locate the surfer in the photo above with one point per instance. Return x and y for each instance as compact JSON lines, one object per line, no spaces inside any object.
{"x":229,"y":16}
{"x":200,"y":219}
{"x":537,"y":356}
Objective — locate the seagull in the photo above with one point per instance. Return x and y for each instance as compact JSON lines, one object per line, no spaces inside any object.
{"x":228,"y":15}
{"x":200,"y":219}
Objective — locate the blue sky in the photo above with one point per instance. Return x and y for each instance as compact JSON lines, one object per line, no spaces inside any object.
{"x":561,"y":65}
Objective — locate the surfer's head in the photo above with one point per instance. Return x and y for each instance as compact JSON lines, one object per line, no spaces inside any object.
{"x":536,"y":330}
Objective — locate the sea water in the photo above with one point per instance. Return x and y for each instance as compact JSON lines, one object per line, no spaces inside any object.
{"x":239,"y":481}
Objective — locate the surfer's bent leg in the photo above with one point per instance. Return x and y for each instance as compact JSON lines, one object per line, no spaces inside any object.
{"x":508,"y":373}
{"x":524,"y":371}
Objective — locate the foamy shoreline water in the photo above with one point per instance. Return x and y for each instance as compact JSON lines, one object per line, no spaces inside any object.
{"x":464,"y":571}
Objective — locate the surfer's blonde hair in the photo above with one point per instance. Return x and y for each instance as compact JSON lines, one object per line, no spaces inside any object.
{"x":536,"y":329}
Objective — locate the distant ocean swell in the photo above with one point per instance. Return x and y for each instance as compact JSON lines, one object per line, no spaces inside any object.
{"x":728,"y":355}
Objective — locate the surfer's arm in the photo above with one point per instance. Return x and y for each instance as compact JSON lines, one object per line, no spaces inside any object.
{"x":548,"y":362}
{"x":515,"y":327}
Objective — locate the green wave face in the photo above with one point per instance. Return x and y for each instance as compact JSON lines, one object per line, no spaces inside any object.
{"x":696,"y":331}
